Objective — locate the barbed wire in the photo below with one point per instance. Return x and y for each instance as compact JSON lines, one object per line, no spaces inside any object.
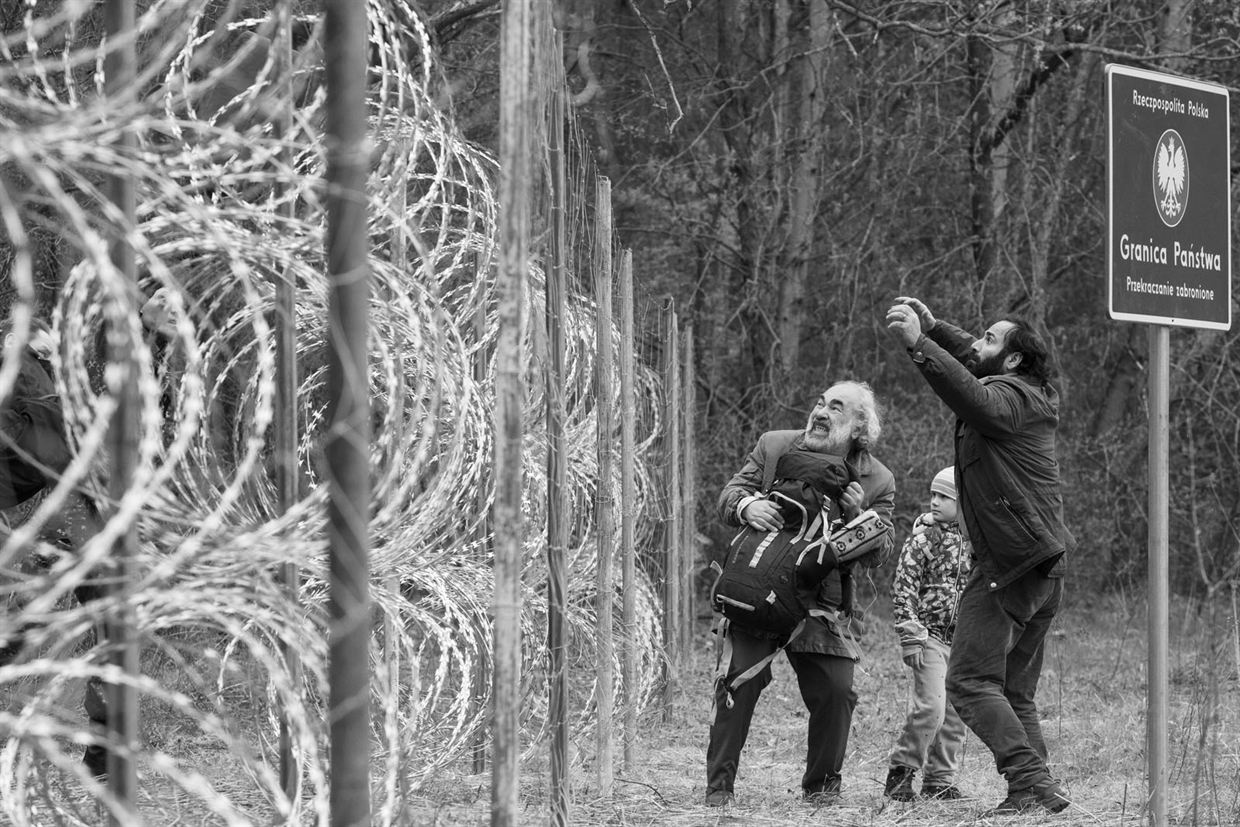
{"x":231,"y":204}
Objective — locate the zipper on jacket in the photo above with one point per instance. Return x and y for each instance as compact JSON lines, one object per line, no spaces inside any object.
{"x":1020,"y":520}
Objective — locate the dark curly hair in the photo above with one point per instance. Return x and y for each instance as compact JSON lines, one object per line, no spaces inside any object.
{"x":1035,"y":361}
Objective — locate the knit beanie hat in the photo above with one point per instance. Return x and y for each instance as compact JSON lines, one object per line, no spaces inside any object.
{"x":945,"y":482}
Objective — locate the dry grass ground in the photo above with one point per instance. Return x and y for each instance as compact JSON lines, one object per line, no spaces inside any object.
{"x":1093,"y":700}
{"x":1092,"y":696}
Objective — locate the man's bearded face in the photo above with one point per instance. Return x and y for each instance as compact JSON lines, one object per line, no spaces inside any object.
{"x":989,"y":352}
{"x":989,"y":365}
{"x":834,"y":422}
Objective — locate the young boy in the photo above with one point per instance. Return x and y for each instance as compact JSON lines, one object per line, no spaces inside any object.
{"x":933,"y":569}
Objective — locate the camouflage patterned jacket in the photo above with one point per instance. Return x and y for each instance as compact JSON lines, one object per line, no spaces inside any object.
{"x":934,"y":566}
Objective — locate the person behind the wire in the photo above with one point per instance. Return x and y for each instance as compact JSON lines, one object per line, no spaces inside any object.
{"x":33,"y":450}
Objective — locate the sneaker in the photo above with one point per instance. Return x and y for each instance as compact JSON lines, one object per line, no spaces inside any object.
{"x":718,"y":798}
{"x":826,"y":796}
{"x":899,"y":786}
{"x":1045,"y":796}
{"x":941,"y":792}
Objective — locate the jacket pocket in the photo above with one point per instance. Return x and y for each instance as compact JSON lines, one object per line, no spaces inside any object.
{"x":1018,"y":524}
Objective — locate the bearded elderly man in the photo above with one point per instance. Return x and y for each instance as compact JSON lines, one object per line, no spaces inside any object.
{"x":1007,"y":475}
{"x":844,"y":423}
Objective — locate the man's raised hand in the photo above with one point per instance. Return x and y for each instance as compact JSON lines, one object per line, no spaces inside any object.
{"x":923,"y":313}
{"x":904,"y":324}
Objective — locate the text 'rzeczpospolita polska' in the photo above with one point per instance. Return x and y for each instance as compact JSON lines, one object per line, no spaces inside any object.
{"x":1173,"y":106}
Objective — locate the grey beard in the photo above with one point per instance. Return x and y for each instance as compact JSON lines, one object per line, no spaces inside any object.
{"x":825,"y":443}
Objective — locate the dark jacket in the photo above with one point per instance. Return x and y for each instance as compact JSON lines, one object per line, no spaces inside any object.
{"x":1007,"y":475}
{"x":829,"y":635}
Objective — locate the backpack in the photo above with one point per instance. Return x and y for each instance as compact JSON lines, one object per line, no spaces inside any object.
{"x":764,"y":574}
{"x":759,"y":587}
{"x":759,"y":582}
{"x":33,"y":448}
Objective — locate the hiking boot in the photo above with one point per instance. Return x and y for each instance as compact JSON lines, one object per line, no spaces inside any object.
{"x":899,"y":786}
{"x":825,"y":796}
{"x":1045,"y":796}
{"x":941,"y":792}
{"x":718,"y":798}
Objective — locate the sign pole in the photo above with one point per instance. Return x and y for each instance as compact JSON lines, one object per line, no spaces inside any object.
{"x":1159,"y":571}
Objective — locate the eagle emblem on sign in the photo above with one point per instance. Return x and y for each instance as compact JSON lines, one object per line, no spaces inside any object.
{"x":1170,"y":178}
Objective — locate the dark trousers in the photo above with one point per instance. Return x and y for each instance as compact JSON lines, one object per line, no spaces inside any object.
{"x":66,"y":531}
{"x":826,"y":683}
{"x":995,"y":665}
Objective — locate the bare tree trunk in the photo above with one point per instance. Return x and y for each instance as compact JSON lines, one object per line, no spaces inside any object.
{"x":781,"y":54}
{"x":980,"y":166}
{"x":590,"y":34}
{"x":1121,"y":390}
{"x":744,"y":225}
{"x":1176,"y":33}
{"x":810,"y":75}
{"x":1042,"y":206}
{"x":992,"y":74}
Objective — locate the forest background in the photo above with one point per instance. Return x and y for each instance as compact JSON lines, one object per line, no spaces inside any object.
{"x":784,"y":169}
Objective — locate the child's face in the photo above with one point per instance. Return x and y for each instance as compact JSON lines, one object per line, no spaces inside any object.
{"x":942,"y":508}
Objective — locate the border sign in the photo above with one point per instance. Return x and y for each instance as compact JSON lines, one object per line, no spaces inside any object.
{"x":1168,"y":263}
{"x":1168,"y":199}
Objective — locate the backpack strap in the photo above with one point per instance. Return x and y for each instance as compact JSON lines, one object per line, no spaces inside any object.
{"x":724,"y":662}
{"x":848,"y":591}
{"x":783,"y":446}
{"x":768,"y":468}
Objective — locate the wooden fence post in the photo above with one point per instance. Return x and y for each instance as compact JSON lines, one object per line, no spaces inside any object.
{"x":557,"y":472}
{"x":479,"y":746}
{"x":515,"y":124}
{"x":285,"y":425}
{"x":628,"y":516}
{"x":605,"y":585}
{"x":348,"y":439}
{"x":671,"y":533}
{"x":120,"y":69}
{"x":688,"y":521}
